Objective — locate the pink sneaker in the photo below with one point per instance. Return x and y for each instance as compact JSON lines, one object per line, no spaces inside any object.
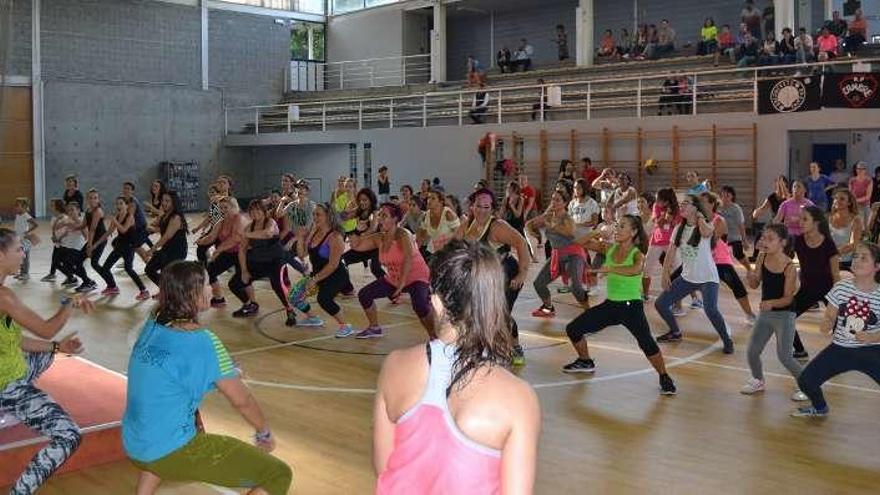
{"x":143,"y":295}
{"x":110,"y":291}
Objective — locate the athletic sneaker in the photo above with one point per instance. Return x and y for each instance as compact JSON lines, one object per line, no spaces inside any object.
{"x":801,"y":355}
{"x":48,"y":278}
{"x":728,"y":347}
{"x":312,"y":321}
{"x":110,"y":291}
{"x":370,"y":333}
{"x":563,"y":289}
{"x":667,"y":386}
{"x":344,"y":331}
{"x":518,"y":357}
{"x":291,"y":318}
{"x":752,"y":387}
{"x":70,"y":282}
{"x":22,"y":277}
{"x":580,"y":365}
{"x":799,"y":396}
{"x":669,"y":337}
{"x":246,"y":310}
{"x":809,"y":412}
{"x":696,"y":304}
{"x":544,"y":312}
{"x":143,"y":295}
{"x":751,"y":319}
{"x":86,"y":287}
{"x":218,"y":302}
{"x":679,"y":312}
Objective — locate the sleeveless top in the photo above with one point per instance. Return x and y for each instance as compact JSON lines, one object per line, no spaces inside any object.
{"x":622,"y":288}
{"x":431,"y":455}
{"x":517,"y":222}
{"x":225,"y":232}
{"x":842,"y":236}
{"x":339,"y":205}
{"x":558,"y":241}
{"x":12,"y":364}
{"x":177,"y":243}
{"x":384,"y":187}
{"x":501,"y":249}
{"x":392,"y":260}
{"x":100,"y":229}
{"x":445,"y":231}
{"x":721,"y":253}
{"x":319,"y":256}
{"x":773,"y":286}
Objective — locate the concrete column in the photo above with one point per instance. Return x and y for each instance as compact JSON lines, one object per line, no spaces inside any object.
{"x":205,"y":49}
{"x":585,"y":50}
{"x":39,"y":141}
{"x":805,"y":16}
{"x":783,"y":17}
{"x":438,"y":43}
{"x":828,"y":9}
{"x":311,"y":42}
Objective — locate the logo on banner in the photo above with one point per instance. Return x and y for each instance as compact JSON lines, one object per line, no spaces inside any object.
{"x":789,"y":95}
{"x":858,"y":89}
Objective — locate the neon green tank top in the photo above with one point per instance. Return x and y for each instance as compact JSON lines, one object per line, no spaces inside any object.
{"x":339,"y":205}
{"x":621,"y":287}
{"x":12,"y":364}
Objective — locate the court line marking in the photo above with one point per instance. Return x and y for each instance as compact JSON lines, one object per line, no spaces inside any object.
{"x":304,"y":341}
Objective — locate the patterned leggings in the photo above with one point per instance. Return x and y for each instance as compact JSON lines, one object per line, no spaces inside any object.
{"x":39,"y":412}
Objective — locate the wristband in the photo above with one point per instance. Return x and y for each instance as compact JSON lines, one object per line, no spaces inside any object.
{"x":263,"y":436}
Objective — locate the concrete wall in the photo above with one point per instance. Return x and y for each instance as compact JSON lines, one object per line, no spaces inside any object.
{"x":368,"y":34}
{"x":123,"y":88}
{"x":19,"y":62}
{"x":319,"y":164}
{"x":861,"y":145}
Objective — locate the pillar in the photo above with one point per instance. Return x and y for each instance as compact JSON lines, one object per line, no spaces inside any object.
{"x":584,"y":19}
{"x":438,"y":43}
{"x":783,"y":17}
{"x":828,"y":9}
{"x":39,"y":150}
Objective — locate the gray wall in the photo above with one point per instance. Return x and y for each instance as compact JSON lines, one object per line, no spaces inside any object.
{"x":320,"y":164}
{"x":19,"y":62}
{"x":368,"y":34}
{"x":123,"y":88}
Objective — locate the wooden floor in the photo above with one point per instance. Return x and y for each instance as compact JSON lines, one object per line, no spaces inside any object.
{"x":609,"y":433}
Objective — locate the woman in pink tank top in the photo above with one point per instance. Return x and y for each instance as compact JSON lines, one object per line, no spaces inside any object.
{"x":449,"y":417}
{"x":723,"y":258}
{"x":406,"y":271}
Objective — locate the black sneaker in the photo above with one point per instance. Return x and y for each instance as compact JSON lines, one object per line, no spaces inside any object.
{"x":70,"y":282}
{"x":801,"y":355}
{"x":728,"y":347}
{"x":86,"y":287}
{"x":669,"y":337}
{"x":291,"y":318}
{"x":580,"y":365}
{"x":218,"y":302}
{"x":667,"y":386}
{"x":248,"y":309}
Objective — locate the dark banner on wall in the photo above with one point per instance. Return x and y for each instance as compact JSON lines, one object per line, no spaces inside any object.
{"x":790,"y":94}
{"x":856,"y":90}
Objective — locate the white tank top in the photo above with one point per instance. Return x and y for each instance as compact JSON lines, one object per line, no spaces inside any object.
{"x":445,"y":231}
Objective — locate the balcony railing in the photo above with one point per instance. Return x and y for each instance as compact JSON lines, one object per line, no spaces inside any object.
{"x":354,"y":74}
{"x":711,"y":91}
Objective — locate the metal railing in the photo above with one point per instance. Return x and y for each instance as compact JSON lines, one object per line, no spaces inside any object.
{"x":709,"y":91}
{"x":358,"y":74}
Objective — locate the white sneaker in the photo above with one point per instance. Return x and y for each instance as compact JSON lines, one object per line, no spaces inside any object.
{"x":752,"y":387}
{"x":799,"y":396}
{"x":679,"y":312}
{"x":750,"y":319}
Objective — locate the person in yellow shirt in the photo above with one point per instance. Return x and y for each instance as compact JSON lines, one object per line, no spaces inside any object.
{"x":708,"y":34}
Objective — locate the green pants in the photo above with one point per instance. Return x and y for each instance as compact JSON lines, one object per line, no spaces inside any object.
{"x":223,"y":461}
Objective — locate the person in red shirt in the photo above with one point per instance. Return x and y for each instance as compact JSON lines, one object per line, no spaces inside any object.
{"x":589,"y":173}
{"x":528,"y":194}
{"x":826,"y":44}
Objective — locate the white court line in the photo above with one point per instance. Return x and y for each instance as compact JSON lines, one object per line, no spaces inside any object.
{"x":305,"y":341}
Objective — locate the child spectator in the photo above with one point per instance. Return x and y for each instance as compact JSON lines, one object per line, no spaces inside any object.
{"x":708,"y":38}
{"x":24,"y":229}
{"x":726,"y":45}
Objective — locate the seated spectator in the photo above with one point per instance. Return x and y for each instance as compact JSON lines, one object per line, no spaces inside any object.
{"x":804,"y":46}
{"x":726,"y":45}
{"x":640,"y":41}
{"x":503,"y":60}
{"x":650,"y":43}
{"x":787,"y":47}
{"x":826,"y":45}
{"x":668,"y":96}
{"x":475,"y":71}
{"x":522,"y":57}
{"x":624,"y":43}
{"x":769,"y":54}
{"x":837,"y":25}
{"x":665,"y":40}
{"x":684,"y":98}
{"x":607,"y":45}
{"x":708,"y":38}
{"x":858,"y":34}
{"x":748,"y":50}
{"x":480,"y":105}
{"x":751,"y":17}
{"x":561,"y":42}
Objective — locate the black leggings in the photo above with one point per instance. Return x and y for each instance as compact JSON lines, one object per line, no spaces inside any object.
{"x":124,"y":251}
{"x":72,"y":261}
{"x":511,"y":270}
{"x":803,"y":301}
{"x":728,"y":275}
{"x":351,"y":257}
{"x":56,"y":260}
{"x":221,"y":264}
{"x":160,"y":260}
{"x":97,"y":251}
{"x":329,"y":288}
{"x":263,"y":269}
{"x":202,"y":254}
{"x":630,"y":314}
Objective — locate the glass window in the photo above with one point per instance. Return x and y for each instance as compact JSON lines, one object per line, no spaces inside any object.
{"x":299,"y":41}
{"x":375,"y":3}
{"x":307,"y":6}
{"x":340,"y":6}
